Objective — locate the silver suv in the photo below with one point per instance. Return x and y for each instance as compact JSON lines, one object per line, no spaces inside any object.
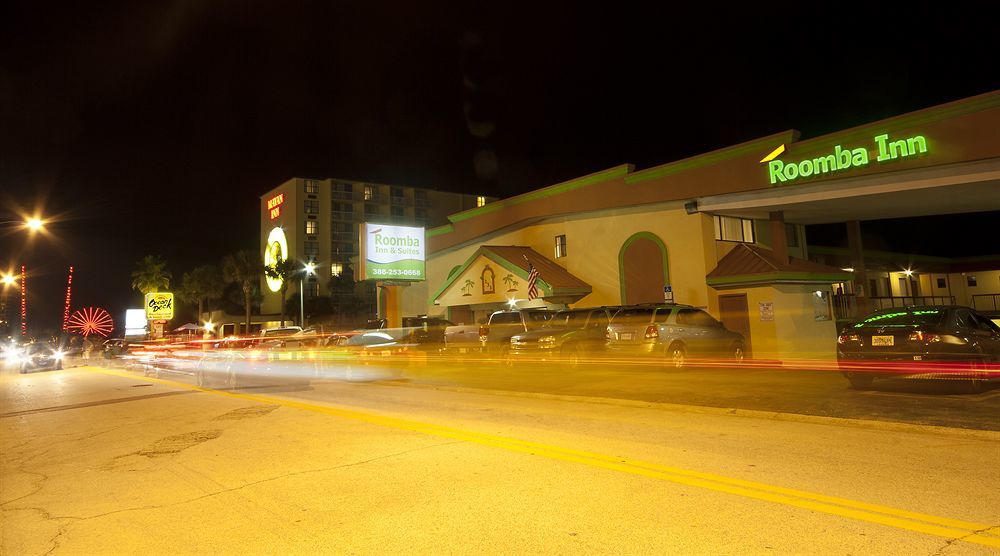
{"x":676,"y":332}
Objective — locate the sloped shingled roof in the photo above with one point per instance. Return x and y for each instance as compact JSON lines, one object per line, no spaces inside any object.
{"x":553,"y":279}
{"x":753,"y":265}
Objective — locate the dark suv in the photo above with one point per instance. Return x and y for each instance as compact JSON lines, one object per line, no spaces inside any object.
{"x":676,"y":332}
{"x":567,"y":336}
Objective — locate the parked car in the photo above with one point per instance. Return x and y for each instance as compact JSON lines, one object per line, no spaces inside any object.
{"x":951,"y":342}
{"x":115,"y":347}
{"x":495,"y":335}
{"x":567,"y":336}
{"x":39,"y":357}
{"x":676,"y":332}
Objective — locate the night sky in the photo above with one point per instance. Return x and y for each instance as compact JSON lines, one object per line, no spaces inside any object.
{"x":153,"y":128}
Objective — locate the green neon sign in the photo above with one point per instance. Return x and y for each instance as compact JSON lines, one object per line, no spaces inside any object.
{"x":844,"y":159}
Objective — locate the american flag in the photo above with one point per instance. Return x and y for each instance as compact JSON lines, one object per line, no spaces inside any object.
{"x":532,"y":281}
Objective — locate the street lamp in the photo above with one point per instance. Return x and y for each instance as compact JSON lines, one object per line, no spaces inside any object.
{"x":34,"y":224}
{"x":309,"y":270}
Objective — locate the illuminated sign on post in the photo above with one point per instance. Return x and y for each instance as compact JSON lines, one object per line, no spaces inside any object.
{"x":160,"y":306}
{"x":391,"y":253}
{"x":135,"y":322}
{"x":841,"y":158}
{"x":276,"y":250}
{"x":274,"y":205}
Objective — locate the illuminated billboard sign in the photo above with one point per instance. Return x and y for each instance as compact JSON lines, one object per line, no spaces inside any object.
{"x":274,"y":205}
{"x":160,"y":306}
{"x":841,"y":158}
{"x":275,"y":250}
{"x":391,"y":252}
{"x":135,"y":322}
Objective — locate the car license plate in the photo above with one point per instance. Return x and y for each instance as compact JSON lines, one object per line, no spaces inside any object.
{"x":625,"y":336}
{"x":882,"y":340}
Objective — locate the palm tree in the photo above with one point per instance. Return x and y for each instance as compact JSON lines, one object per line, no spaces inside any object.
{"x":151,"y":275}
{"x":284,"y":270}
{"x":202,"y":283}
{"x":244,"y":269}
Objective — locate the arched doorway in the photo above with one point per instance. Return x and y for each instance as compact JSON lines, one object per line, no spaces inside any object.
{"x":642,"y":268}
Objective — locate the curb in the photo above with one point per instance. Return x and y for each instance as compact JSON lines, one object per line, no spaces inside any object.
{"x":893,"y":426}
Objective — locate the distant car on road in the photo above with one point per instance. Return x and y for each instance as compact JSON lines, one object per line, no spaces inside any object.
{"x":40,"y":357}
{"x":568,"y":336}
{"x":676,"y":332}
{"x":929,"y":342}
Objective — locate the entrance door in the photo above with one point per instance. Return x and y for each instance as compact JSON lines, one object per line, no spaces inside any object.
{"x":643,"y":272}
{"x":460,"y":314}
{"x":736,"y":316}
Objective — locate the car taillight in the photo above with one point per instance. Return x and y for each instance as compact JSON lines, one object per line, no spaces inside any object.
{"x":844,"y":338}
{"x":927,"y":337}
{"x":652,"y":331}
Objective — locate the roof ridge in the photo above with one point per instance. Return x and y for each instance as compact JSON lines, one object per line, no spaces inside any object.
{"x":767,"y":261}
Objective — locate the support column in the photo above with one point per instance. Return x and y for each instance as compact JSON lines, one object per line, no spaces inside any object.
{"x":861,"y":293}
{"x":391,"y":305}
{"x":779,"y":242}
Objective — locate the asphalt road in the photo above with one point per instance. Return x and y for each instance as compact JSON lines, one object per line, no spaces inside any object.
{"x":99,"y":461}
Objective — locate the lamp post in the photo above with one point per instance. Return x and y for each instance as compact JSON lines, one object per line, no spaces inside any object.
{"x":309,"y":270}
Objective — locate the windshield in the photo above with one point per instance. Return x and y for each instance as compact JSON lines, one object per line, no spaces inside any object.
{"x":568,"y":319}
{"x":633,"y":315}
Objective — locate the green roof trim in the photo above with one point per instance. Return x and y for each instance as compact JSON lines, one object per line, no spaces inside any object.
{"x":440,"y":230}
{"x":550,"y":191}
{"x":779,"y":278}
{"x":755,"y":145}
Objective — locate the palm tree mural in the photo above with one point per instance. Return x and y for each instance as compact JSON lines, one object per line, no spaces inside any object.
{"x":511,"y":282}
{"x":151,"y":275}
{"x":466,"y":289}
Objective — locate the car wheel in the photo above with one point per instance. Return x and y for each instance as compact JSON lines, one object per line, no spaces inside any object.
{"x":860,"y":381}
{"x":571,"y":356}
{"x":979,"y":383}
{"x":738,"y":352}
{"x":677,"y":355}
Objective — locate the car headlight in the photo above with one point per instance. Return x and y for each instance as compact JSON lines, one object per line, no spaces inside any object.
{"x":58,"y":354}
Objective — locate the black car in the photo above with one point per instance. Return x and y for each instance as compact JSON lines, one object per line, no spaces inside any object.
{"x":40,"y":357}
{"x":943,"y":342}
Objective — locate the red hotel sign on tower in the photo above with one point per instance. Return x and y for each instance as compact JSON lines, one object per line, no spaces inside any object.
{"x":274,"y":205}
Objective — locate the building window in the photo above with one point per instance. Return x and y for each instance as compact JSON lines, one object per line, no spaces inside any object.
{"x":311,"y":250}
{"x":942,"y":283}
{"x":311,"y":207}
{"x":420,"y":194}
{"x":970,"y":281}
{"x":560,"y":246}
{"x":369,"y":193}
{"x":311,"y":226}
{"x":872,"y":288}
{"x":792,"y":235}
{"x":731,"y":228}
{"x":312,"y":289}
{"x":480,"y":201}
{"x":370,"y":210}
{"x":312,"y":187}
{"x":336,"y":269}
{"x":421,"y":215}
{"x":397,"y":212}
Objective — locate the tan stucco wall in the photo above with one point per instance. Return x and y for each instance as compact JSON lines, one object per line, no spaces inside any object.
{"x":794,"y":333}
{"x":593,"y":243}
{"x":987,"y":282}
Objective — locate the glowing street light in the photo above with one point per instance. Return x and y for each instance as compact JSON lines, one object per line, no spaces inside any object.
{"x":208,"y":326}
{"x":34,"y":224}
{"x":8,"y":280}
{"x":309,"y":269}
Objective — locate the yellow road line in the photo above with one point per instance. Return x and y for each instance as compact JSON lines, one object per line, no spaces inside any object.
{"x":843,"y":507}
